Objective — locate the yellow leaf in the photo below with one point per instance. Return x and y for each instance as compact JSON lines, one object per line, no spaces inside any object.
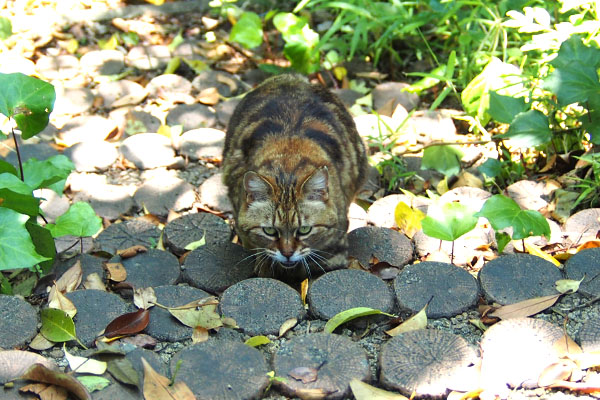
{"x":364,"y":391}
{"x":417,"y":321}
{"x":287,"y":325}
{"x":408,"y":219}
{"x":567,"y":285}
{"x":340,"y":73}
{"x":304,"y":290}
{"x":536,"y":251}
{"x":109,"y":44}
{"x":164,"y":130}
{"x":256,"y":341}
{"x":156,"y":2}
{"x":197,"y":65}
{"x":71,"y":279}
{"x":84,"y":365}
{"x":71,"y":45}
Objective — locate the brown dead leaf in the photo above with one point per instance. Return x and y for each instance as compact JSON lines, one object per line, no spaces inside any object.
{"x":580,"y":387}
{"x":304,"y":290}
{"x":156,"y":386}
{"x":304,"y":374}
{"x":591,"y":244}
{"x":287,"y":325}
{"x":364,"y":391}
{"x":549,"y":163}
{"x":58,"y":300}
{"x":39,"y":373}
{"x":417,"y":321}
{"x":45,"y":391}
{"x":525,"y":308}
{"x":132,"y":251}
{"x":209,"y":96}
{"x":199,"y":335}
{"x":556,"y":372}
{"x":144,"y":298}
{"x":116,"y":272}
{"x":93,"y":281}
{"x":71,"y":279}
{"x":39,"y":342}
{"x":466,"y":178}
{"x":140,"y":340}
{"x":128,"y":324}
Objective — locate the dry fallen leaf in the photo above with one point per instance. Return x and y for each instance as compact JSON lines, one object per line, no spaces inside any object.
{"x":84,"y":365}
{"x":39,"y":342}
{"x":58,"y":300}
{"x":156,"y":386}
{"x":199,"y":335}
{"x":131,"y":251}
{"x":45,"y":391}
{"x":417,"y":321}
{"x":144,"y":298}
{"x":71,"y":279}
{"x":556,"y":373}
{"x":304,"y":374}
{"x":408,"y":219}
{"x":525,"y":308}
{"x":592,"y":244}
{"x":567,"y":285}
{"x":39,"y":373}
{"x":209,"y":96}
{"x":536,"y":251}
{"x":303,"y":290}
{"x":93,"y":281}
{"x":116,"y":272}
{"x":363,"y":391}
{"x":287,"y":325}
{"x":128,"y":324}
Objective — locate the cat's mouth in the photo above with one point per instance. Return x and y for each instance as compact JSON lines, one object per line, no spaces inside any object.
{"x":288,"y":264}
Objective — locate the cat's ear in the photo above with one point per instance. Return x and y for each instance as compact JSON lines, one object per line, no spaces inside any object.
{"x":316,"y":186}
{"x":257,"y":187}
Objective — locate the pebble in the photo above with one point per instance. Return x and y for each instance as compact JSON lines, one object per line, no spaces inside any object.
{"x":149,"y":150}
{"x":159,"y":196}
{"x":86,"y":128}
{"x":202,"y":143}
{"x":213,"y":193}
{"x":192,"y":116}
{"x":121,"y":93}
{"x":91,"y":156}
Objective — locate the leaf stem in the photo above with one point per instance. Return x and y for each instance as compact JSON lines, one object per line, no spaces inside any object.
{"x":18,"y":153}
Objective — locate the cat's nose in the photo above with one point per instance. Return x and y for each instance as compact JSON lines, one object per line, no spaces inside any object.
{"x":287,"y":254}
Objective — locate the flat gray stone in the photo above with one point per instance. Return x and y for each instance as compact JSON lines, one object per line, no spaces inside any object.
{"x":95,"y":310}
{"x":149,"y":150}
{"x":336,"y":360}
{"x":451,"y":289}
{"x":148,"y":57}
{"x":215,"y":267}
{"x":213,"y":193}
{"x":225,"y":110}
{"x":154,"y":359}
{"x":226,"y":84}
{"x":126,"y":234}
{"x":108,"y":201}
{"x":341,"y":290}
{"x":589,"y":336}
{"x":260,"y":306}
{"x":189,"y":228}
{"x":39,"y":151}
{"x":202,"y":143}
{"x":386,"y":91}
{"x":165,"y":327}
{"x":170,"y":87}
{"x":192,"y":116}
{"x":159,"y":196}
{"x":384,"y":243}
{"x":92,"y":156}
{"x":102,"y":62}
{"x":585,"y":264}
{"x":222,"y":370}
{"x":151,"y":268}
{"x":73,"y":101}
{"x":516,"y":277}
{"x":87,"y":128}
{"x":121,"y":93}
{"x":131,"y":122}
{"x":18,"y":322}
{"x":58,"y":67}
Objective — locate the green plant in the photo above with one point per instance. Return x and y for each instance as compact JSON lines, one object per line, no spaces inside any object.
{"x":24,"y":243}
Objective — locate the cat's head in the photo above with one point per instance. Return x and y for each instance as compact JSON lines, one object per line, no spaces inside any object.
{"x":289,"y":221}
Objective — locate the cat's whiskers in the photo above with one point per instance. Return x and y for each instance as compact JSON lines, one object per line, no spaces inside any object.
{"x":314,"y":260}
{"x":254,"y":254}
{"x":306,"y":267}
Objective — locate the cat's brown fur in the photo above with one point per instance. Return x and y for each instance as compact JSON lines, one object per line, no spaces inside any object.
{"x":293,"y":162}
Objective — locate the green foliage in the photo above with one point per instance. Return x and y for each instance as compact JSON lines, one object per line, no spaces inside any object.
{"x":79,"y":220}
{"x":5,"y":28}
{"x":528,"y":129}
{"x":50,"y":173}
{"x":444,"y":159}
{"x":247,"y":31}
{"x":504,"y":212}
{"x":448,"y":221}
{"x":16,"y":247}
{"x":300,"y":42}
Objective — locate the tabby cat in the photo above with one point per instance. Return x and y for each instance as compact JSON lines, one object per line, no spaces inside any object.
{"x":293,"y":162}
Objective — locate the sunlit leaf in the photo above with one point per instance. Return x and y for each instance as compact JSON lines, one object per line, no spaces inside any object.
{"x":349,"y":315}
{"x":247,"y":31}
{"x":448,"y":221}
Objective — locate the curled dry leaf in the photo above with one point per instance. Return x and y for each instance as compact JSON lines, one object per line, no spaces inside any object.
{"x":128,"y":324}
{"x":568,"y":285}
{"x":157,"y":387}
{"x":71,"y":279}
{"x":199,"y":335}
{"x":39,"y":342}
{"x":364,"y":391}
{"x":206,"y":301}
{"x":144,"y":298}
{"x":83,"y":365}
{"x":566,"y":346}
{"x":205,"y":317}
{"x":58,"y":300}
{"x":140,"y":340}
{"x":303,"y":291}
{"x":304,"y":374}
{"x":116,"y":272}
{"x":536,"y":251}
{"x":131,"y":251}
{"x":287,"y":325}
{"x":14,"y":363}
{"x":93,"y":281}
{"x":417,"y":321}
{"x":45,"y":391}
{"x":525,"y":308}
{"x":556,"y":373}
{"x":209,"y":96}
{"x":39,"y":373}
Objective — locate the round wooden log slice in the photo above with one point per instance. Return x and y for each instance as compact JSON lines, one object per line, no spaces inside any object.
{"x":126,"y":234}
{"x":216,"y":267}
{"x":95,"y":309}
{"x":151,"y":268}
{"x":451,"y":289}
{"x":260,"y":306}
{"x":18,"y":322}
{"x":165,"y":327}
{"x":512,"y":278}
{"x":89,"y":265}
{"x":222,"y":370}
{"x":586,"y":264}
{"x":515,"y":352}
{"x":193,"y":227}
{"x":589,"y":336}
{"x":340,"y":290}
{"x":320,"y":365}
{"x":384,"y":243}
{"x":426,"y":362}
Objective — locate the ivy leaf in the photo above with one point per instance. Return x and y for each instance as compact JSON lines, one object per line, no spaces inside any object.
{"x":444,"y":159}
{"x":491,"y":168}
{"x":46,"y":173}
{"x":504,"y":108}
{"x":502,"y":239}
{"x":449,"y":221}
{"x":16,"y":195}
{"x":79,"y":220}
{"x":503,"y":212}
{"x":528,"y":129}
{"x":28,"y":100}
{"x":57,"y":326}
{"x":7,"y":167}
{"x":16,"y":248}
{"x":573,"y":50}
{"x":591,"y":123}
{"x":43,"y":241}
{"x":247,"y":31}
{"x":577,"y":83}
{"x":5,"y":28}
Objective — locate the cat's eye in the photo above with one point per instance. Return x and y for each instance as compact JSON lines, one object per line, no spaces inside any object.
{"x":304,"y":229}
{"x":269,"y":230}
